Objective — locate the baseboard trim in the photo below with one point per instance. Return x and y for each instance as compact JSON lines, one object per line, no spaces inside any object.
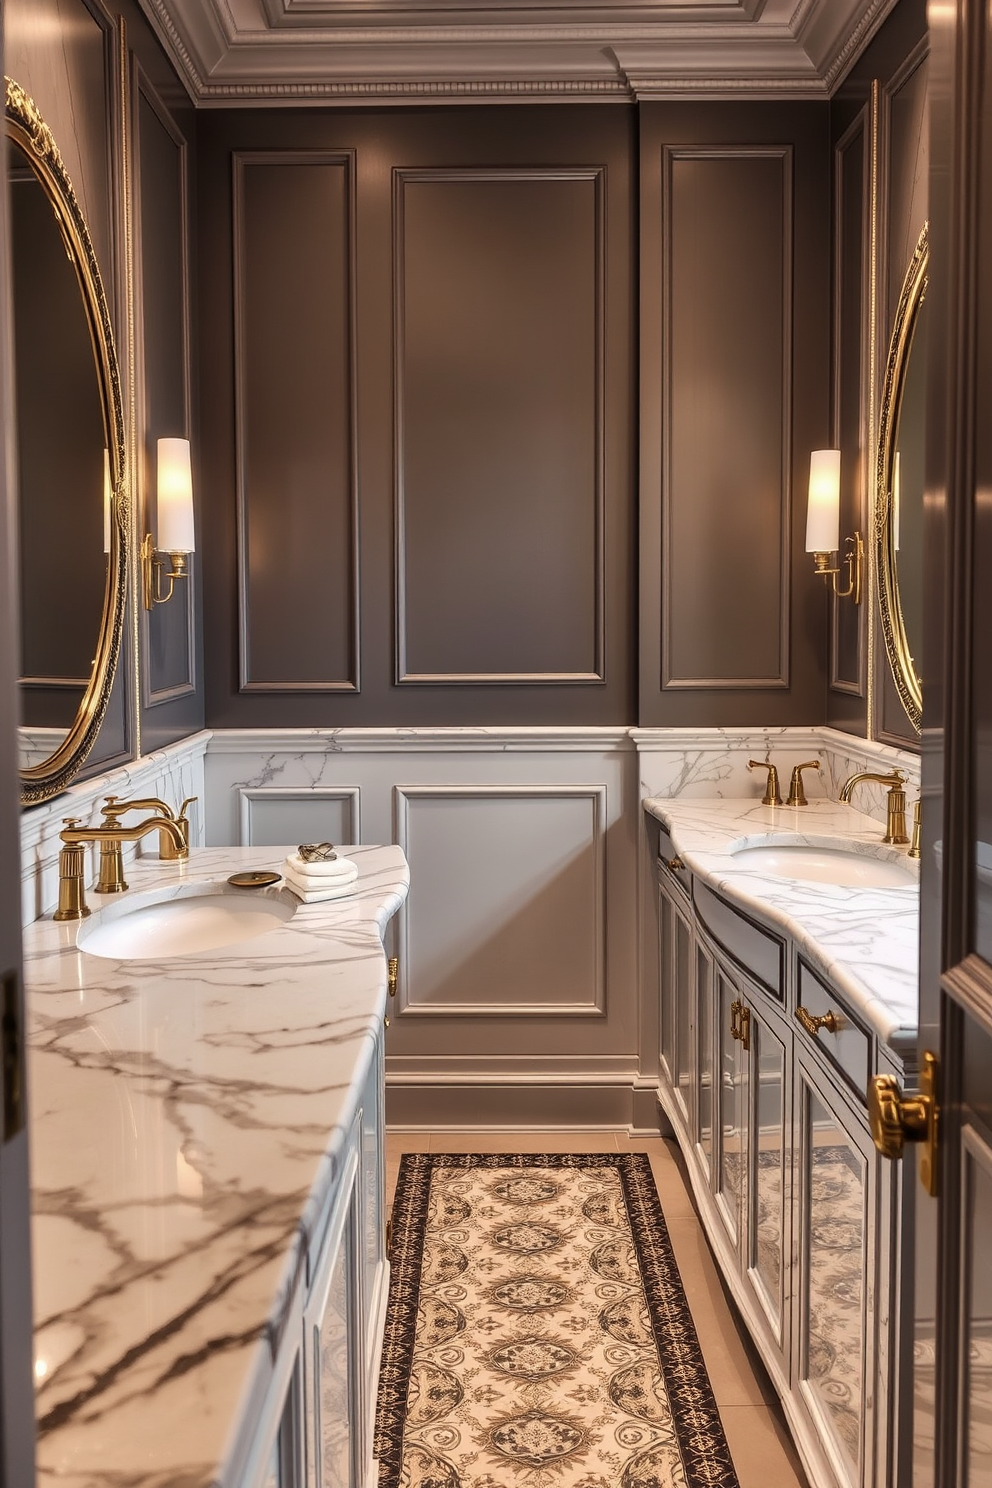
{"x":494,"y":1103}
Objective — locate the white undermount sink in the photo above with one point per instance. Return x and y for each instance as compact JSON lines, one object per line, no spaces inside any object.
{"x":199,"y":917}
{"x":825,"y":860}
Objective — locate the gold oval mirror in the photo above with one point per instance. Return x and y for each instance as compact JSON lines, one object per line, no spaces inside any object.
{"x":899,"y":486}
{"x":71,"y":506}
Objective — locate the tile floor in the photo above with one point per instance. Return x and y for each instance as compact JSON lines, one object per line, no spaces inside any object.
{"x":759,"y":1439}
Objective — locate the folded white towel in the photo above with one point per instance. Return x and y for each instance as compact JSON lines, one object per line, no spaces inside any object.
{"x":335,"y":868}
{"x":312,"y":895}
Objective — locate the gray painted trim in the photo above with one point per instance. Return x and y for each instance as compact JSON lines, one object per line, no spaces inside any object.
{"x":597,"y":793}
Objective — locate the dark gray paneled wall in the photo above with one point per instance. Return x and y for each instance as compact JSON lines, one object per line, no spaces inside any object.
{"x":295,"y":386}
{"x":734,"y":393}
{"x":171,"y":635}
{"x":482,"y":262}
{"x":499,"y":397}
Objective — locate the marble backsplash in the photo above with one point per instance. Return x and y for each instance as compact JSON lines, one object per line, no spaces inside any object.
{"x":696,"y":763}
{"x":706,"y":763}
{"x":171,"y":774}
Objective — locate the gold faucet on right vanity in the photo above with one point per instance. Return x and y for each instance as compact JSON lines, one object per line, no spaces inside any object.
{"x":895,"y":813}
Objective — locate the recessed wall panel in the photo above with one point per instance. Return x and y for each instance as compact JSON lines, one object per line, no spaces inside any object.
{"x":281,"y":816}
{"x":727,"y":417}
{"x":506,"y":914}
{"x":499,"y":424}
{"x":161,"y":193}
{"x":294,"y":394}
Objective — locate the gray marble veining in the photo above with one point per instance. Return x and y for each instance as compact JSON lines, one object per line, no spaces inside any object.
{"x":186,"y":1119}
{"x":865,"y":940}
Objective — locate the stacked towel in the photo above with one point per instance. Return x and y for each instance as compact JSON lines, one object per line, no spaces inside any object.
{"x":331,"y":878}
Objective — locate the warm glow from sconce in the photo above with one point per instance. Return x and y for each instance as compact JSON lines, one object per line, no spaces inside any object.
{"x":175,"y":521}
{"x":823,"y":525}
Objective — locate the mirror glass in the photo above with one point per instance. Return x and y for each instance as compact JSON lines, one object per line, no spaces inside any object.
{"x":70,"y":462}
{"x":900,"y":485}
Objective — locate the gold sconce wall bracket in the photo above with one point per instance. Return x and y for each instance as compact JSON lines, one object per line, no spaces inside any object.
{"x":853,"y":561}
{"x":152,"y":572}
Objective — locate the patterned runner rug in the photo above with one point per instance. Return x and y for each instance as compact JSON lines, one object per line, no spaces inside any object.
{"x":537,"y":1332}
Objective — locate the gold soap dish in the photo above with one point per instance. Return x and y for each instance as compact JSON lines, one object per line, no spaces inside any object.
{"x":257,"y":879}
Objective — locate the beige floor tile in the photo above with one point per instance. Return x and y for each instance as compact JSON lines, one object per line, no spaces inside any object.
{"x":762,"y":1450}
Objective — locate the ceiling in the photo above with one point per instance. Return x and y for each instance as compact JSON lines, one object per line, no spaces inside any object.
{"x":233,"y":52}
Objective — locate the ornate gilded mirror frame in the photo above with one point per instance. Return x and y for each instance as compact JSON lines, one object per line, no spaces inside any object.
{"x":904,"y":673}
{"x":27,"y":129}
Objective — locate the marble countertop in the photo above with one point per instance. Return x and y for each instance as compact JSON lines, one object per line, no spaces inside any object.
{"x":865,"y":940}
{"x":187,"y":1117}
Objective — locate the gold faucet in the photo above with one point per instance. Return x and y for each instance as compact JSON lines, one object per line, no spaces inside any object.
{"x":772,"y":796}
{"x":72,"y":860}
{"x":797,"y":796}
{"x":895,"y":817}
{"x":167,"y":842}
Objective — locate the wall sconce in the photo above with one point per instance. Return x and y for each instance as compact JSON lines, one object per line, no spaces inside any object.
{"x":175,"y":522}
{"x":823,"y":525}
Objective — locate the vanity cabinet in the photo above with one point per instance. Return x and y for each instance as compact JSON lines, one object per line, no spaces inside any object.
{"x":316,"y":1425}
{"x":800,"y":1211}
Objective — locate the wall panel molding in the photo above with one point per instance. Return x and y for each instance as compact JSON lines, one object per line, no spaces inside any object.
{"x":852,"y":191}
{"x":295,"y":416}
{"x":755,"y":558}
{"x":279,"y":798}
{"x":548,"y":919}
{"x":462,"y":365}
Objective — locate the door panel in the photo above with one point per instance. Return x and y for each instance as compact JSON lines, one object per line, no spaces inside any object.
{"x":976,"y":1311}
{"x":769,"y":1163}
{"x":731,"y":1074}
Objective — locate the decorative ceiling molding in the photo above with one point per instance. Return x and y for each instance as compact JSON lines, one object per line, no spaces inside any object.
{"x":281,"y":52}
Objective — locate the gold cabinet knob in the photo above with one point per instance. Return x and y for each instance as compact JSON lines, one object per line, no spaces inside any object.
{"x":896,"y":1119}
{"x":674,"y":865}
{"x":813,"y":1022}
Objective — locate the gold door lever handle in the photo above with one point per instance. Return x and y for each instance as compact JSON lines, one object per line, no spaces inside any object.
{"x":896,"y":1119}
{"x":813,"y":1022}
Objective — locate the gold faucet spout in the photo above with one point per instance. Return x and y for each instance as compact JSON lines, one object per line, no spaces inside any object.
{"x":110,"y":880}
{"x":895,"y":819}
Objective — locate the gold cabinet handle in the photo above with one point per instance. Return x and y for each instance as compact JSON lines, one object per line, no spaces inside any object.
{"x":897,"y":1119}
{"x":385,"y":1021}
{"x":813,"y":1022}
{"x":740,"y":1022}
{"x":392,"y":975}
{"x":674,"y":865}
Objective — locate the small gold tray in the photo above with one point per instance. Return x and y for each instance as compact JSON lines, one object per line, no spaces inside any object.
{"x":259,"y":879}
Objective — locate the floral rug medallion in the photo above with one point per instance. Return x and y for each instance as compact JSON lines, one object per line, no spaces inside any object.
{"x":537,"y":1333}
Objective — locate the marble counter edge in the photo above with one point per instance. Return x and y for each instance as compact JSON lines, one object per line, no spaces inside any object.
{"x":805,"y":912}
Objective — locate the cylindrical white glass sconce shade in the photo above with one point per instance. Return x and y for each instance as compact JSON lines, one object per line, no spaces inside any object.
{"x":175,"y":498}
{"x":823,"y":511}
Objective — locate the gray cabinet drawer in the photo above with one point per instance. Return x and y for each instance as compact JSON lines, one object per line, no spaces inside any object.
{"x":848,"y":1048}
{"x":760,"y":953}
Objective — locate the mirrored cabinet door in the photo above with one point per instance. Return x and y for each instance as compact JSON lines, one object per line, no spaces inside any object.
{"x":770,"y":1171}
{"x":677,"y":1012}
{"x":333,"y":1349}
{"x":731,"y":1076}
{"x":836,"y":1177}
{"x":706,"y":1085}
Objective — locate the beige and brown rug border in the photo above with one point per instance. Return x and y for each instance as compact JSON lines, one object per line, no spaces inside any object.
{"x":705,"y":1454}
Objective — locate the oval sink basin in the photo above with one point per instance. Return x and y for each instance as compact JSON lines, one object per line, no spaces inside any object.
{"x":827,"y":864}
{"x":202,"y":919}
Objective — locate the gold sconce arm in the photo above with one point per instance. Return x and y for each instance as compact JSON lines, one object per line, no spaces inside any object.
{"x":152,"y":573}
{"x":853,"y":561}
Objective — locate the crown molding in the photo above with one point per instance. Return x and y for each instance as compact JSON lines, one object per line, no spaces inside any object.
{"x":286,"y":52}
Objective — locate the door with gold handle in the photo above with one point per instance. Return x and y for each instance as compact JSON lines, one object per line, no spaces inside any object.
{"x":897,"y":1119}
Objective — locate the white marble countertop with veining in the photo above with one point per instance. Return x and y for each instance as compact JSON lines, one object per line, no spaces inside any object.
{"x":187,"y":1116}
{"x":865,"y":940}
